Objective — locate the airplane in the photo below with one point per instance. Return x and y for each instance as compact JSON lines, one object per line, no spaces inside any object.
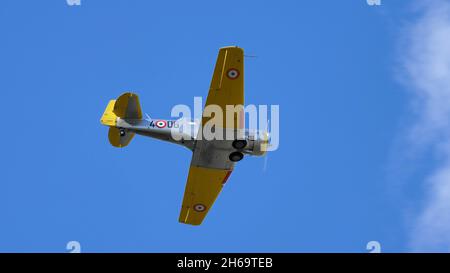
{"x":213,"y":160}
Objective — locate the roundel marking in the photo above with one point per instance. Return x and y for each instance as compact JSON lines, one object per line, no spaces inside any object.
{"x":199,"y":207}
{"x":161,"y":123}
{"x":233,"y":73}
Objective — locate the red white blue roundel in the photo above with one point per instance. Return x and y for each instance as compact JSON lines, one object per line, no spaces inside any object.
{"x":199,"y":207}
{"x":161,"y":123}
{"x":233,"y":73}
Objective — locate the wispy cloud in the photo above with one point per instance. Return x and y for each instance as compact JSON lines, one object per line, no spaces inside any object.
{"x":426,"y":64}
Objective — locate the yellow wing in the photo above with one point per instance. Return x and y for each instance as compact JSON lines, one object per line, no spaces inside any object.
{"x":202,"y":188}
{"x":227,"y":88}
{"x":227,"y":84}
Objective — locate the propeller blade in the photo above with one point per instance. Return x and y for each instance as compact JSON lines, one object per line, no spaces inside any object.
{"x":266,"y":158}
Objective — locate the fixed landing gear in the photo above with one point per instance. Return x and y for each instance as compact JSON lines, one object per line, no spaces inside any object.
{"x":122,"y":132}
{"x":236,"y":156}
{"x":239,"y":144}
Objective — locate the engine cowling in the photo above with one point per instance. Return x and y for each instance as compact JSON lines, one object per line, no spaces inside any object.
{"x":257,"y":143}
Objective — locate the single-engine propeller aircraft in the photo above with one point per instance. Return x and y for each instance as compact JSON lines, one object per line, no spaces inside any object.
{"x":213,"y":160}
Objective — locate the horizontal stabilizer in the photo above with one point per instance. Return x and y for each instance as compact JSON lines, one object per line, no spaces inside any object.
{"x":128,"y":106}
{"x":117,"y":139}
{"x":125,"y":107}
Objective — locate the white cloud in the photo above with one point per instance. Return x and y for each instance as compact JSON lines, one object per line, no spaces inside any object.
{"x":426,"y":63}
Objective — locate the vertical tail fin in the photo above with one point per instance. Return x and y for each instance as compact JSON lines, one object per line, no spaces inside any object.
{"x":109,"y":118}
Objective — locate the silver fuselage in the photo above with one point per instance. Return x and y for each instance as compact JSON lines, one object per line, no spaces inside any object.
{"x":210,"y":153}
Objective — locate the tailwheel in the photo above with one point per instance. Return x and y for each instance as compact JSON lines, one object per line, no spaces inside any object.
{"x":239,"y":144}
{"x":236,"y":156}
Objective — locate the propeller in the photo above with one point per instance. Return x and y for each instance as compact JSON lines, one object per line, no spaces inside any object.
{"x":266,"y":156}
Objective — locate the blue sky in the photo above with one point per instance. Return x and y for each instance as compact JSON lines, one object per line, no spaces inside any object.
{"x":351,"y":166}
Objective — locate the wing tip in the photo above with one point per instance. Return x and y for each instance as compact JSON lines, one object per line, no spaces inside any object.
{"x":189,"y":222}
{"x":232,"y":47}
{"x":185,"y":219}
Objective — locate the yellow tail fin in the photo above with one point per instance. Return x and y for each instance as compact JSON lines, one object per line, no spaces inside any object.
{"x":109,"y":118}
{"x":127,"y":107}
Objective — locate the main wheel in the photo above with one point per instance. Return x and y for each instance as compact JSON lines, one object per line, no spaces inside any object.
{"x":239,"y":144}
{"x":122,"y":132}
{"x":236,"y":156}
